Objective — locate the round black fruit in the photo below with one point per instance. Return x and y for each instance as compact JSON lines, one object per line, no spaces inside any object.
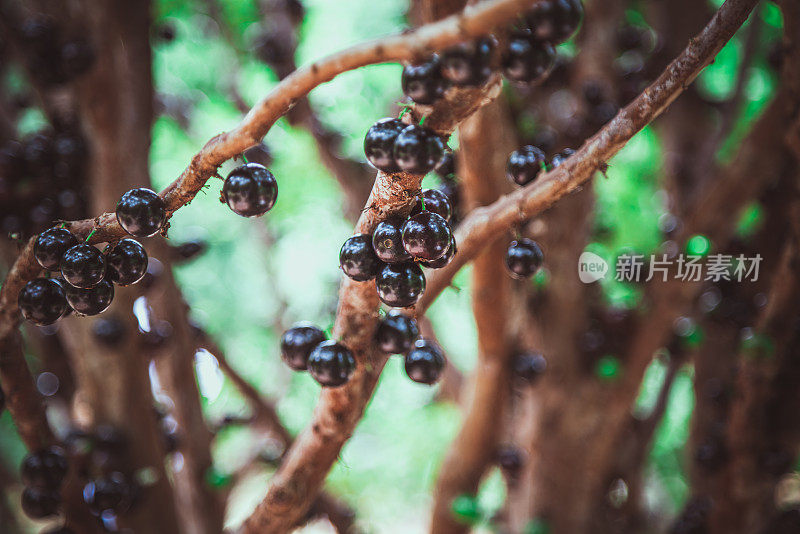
{"x":425,"y":362}
{"x":387,"y":241}
{"x":141,"y":212}
{"x":109,"y":492}
{"x":379,"y":144}
{"x":250,"y":190}
{"x":524,"y":164}
{"x":468,"y":64}
{"x":559,"y":158}
{"x":400,"y":284}
{"x":554,"y":21}
{"x":83,"y":266}
{"x":127,"y":262}
{"x":297,"y":344}
{"x":93,"y":300}
{"x":423,"y":83}
{"x":357,"y":258}
{"x":417,"y":150}
{"x":331,"y":364}
{"x":529,"y":366}
{"x":397,"y":332}
{"x":39,"y":503}
{"x":426,"y":236}
{"x":45,"y":469}
{"x":524,"y":257}
{"x":444,"y":260}
{"x":436,"y":202}
{"x":528,"y":61}
{"x":51,"y":245}
{"x":42,"y":301}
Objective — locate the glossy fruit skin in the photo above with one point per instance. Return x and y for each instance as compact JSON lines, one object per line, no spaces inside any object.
{"x":357,"y":258}
{"x":425,"y":362}
{"x":126,"y":262}
{"x":42,"y":301}
{"x":298,"y":342}
{"x":108,"y":331}
{"x":453,"y":193}
{"x":444,"y":260}
{"x":426,"y":236}
{"x":423,"y":83}
{"x":525,"y":164}
{"x":400,"y":285}
{"x":331,"y":364}
{"x":436,"y":202}
{"x":529,"y":366}
{"x":93,"y":300}
{"x":468,"y":64}
{"x":83,"y":266}
{"x":396,"y":333}
{"x":387,"y":242}
{"x":45,"y":469}
{"x":554,"y":21}
{"x":417,"y":150}
{"x":523,"y":258}
{"x":109,"y":492}
{"x":527,"y":61}
{"x":51,"y":245}
{"x":379,"y":144}
{"x":559,"y":158}
{"x":141,"y":212}
{"x":250,"y":190}
{"x":39,"y":503}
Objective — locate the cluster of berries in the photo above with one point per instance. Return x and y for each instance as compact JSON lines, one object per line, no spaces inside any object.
{"x":42,"y":178}
{"x":43,"y":474}
{"x":524,"y":164}
{"x":393,"y":253}
{"x":392,"y":146}
{"x":305,"y":347}
{"x":528,"y":58}
{"x":51,"y":57}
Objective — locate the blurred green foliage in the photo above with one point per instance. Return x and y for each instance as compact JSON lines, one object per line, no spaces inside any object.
{"x":260,"y":275}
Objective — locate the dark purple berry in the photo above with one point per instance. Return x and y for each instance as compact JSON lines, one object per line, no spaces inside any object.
{"x":45,"y":469}
{"x":39,"y":503}
{"x":524,"y":164}
{"x":141,"y":212}
{"x":379,"y":144}
{"x":397,"y":332}
{"x":127,"y":262}
{"x":453,"y":194}
{"x":554,"y":21}
{"x":110,"y":492}
{"x":444,"y":260}
{"x":77,"y":57}
{"x":559,"y":158}
{"x":446,"y":168}
{"x":528,"y":61}
{"x":426,"y":236}
{"x":423,"y":83}
{"x":417,"y":150}
{"x":387,"y":241}
{"x":357,"y":258}
{"x":400,"y":284}
{"x":524,"y":258}
{"x":529,"y":366}
{"x":468,"y":64}
{"x":425,"y":362}
{"x":509,"y":459}
{"x":42,"y":301}
{"x":93,"y":300}
{"x":297,"y":344}
{"x":436,"y":202}
{"x":83,"y":266}
{"x":250,"y":190}
{"x":331,"y":364}
{"x":51,"y":245}
{"x":108,"y":331}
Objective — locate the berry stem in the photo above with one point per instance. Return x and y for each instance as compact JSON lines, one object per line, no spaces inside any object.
{"x":91,"y":235}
